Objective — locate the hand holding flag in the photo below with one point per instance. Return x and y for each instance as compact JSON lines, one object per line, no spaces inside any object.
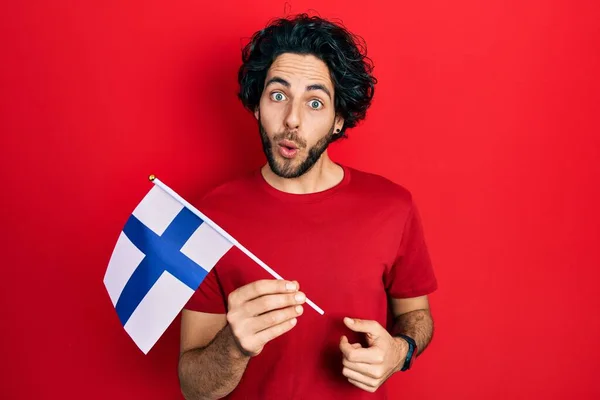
{"x":262,"y":311}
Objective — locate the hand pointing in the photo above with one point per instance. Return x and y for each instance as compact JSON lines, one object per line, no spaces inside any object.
{"x":369,"y":367}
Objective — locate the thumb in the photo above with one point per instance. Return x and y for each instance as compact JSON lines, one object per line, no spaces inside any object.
{"x":371,"y":328}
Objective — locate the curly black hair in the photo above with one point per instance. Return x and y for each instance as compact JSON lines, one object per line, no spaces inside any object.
{"x":344,"y":53}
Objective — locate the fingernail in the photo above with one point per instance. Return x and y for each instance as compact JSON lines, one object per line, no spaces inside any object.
{"x":290,"y":286}
{"x":298,"y":309}
{"x":349,"y":320}
{"x":293,"y":322}
{"x":299,"y":297}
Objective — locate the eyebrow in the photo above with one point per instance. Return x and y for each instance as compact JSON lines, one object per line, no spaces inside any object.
{"x":285,"y":83}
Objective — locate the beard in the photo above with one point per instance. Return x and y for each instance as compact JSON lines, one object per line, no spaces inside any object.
{"x":287,"y":168}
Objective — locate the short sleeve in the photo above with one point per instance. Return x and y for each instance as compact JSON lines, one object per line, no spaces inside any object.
{"x":411,"y":274}
{"x":209,"y":297}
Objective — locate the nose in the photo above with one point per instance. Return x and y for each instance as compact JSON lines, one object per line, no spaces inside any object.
{"x":292,"y":118}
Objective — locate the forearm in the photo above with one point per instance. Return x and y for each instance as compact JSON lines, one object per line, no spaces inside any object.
{"x":418,"y":325}
{"x":213,"y":371}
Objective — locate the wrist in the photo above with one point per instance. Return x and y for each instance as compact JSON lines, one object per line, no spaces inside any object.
{"x":402,"y":350}
{"x":234,"y":348}
{"x":409,"y":351}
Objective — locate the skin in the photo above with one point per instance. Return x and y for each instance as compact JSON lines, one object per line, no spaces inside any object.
{"x":302,"y":110}
{"x":297,"y":105}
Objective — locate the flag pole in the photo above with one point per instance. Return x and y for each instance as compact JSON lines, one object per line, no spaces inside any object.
{"x":217,"y":228}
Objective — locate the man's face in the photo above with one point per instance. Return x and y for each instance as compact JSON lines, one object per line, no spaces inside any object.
{"x":296,"y":115}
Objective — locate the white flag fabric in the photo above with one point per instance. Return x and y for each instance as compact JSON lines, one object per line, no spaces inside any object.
{"x":162,"y":255}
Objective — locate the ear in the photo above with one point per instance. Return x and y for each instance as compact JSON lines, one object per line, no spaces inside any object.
{"x":256,"y":113}
{"x":339,"y":124}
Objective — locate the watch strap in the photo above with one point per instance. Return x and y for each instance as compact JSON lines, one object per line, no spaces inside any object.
{"x":412,"y":351}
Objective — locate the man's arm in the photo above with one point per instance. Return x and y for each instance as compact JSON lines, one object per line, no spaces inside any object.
{"x":413,"y":319}
{"x":210,"y":363}
{"x":216,"y":348}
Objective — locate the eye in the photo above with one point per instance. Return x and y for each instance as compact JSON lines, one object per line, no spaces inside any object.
{"x":277,"y":96}
{"x":315,"y":104}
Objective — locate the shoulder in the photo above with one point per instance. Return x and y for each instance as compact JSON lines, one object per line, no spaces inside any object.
{"x":380,"y":187}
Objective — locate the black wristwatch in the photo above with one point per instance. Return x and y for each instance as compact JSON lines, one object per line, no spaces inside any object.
{"x":412,"y":351}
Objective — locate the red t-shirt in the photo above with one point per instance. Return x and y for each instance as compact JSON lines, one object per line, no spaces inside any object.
{"x":349,"y":247}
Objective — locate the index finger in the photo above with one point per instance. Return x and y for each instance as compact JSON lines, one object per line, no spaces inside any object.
{"x":369,"y":355}
{"x":263,"y":287}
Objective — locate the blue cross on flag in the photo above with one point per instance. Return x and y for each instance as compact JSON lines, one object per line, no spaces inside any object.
{"x":162,"y":255}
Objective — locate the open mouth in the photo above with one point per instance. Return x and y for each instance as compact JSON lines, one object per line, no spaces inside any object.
{"x":287,"y":149}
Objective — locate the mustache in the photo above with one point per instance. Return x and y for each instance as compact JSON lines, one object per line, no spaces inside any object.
{"x":291,"y":136}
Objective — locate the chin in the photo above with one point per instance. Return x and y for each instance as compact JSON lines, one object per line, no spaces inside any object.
{"x":285,"y":169}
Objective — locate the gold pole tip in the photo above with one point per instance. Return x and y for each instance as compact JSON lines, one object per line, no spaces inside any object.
{"x":152,"y":178}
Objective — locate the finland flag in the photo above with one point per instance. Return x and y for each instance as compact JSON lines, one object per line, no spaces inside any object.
{"x":164,"y":252}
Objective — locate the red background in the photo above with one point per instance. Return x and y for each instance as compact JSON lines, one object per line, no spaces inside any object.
{"x":486,"y":111}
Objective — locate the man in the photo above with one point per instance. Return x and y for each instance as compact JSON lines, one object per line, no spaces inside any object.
{"x":349,"y":240}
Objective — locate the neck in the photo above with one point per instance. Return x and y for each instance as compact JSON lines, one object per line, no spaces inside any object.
{"x":324,"y":175}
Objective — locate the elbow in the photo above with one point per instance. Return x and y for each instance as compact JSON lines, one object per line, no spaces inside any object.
{"x":187,"y":383}
{"x":189,"y":396}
